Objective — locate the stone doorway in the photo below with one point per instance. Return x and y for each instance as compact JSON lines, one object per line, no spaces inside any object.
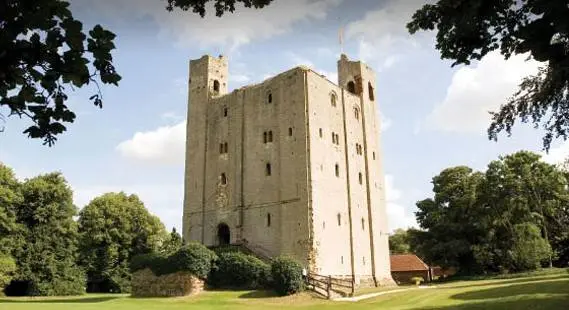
{"x":223,"y":234}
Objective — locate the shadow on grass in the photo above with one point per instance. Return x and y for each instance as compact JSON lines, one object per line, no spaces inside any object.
{"x":550,"y":295}
{"x":57,"y":300}
{"x":507,"y":281}
{"x":259,"y":294}
{"x":549,"y":287}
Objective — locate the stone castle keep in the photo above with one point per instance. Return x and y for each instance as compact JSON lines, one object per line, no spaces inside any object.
{"x":291,"y":166}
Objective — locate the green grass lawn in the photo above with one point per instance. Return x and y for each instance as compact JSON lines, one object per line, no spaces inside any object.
{"x":536,"y":292}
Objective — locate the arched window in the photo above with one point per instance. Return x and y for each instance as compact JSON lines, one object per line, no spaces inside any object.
{"x":268,"y":169}
{"x":333,"y":99}
{"x":270,"y":98}
{"x":339,"y":216}
{"x":223,"y":234}
{"x":268,"y":220}
{"x":370,"y":91}
{"x":357,"y":113}
{"x":216,"y":86}
{"x":360,"y":178}
{"x":223,"y":179}
{"x":352,"y":87}
{"x":337,"y":170}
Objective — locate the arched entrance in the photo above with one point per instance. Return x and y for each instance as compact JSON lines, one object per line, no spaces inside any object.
{"x":223,"y":234}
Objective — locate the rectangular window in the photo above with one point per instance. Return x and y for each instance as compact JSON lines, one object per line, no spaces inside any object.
{"x":268,"y":169}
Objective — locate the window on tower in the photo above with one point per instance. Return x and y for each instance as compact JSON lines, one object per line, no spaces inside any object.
{"x":290,"y":131}
{"x":265,"y":137}
{"x":268,"y":169}
{"x":216,"y":86}
{"x":270,"y":98}
{"x":339,"y":216}
{"x":223,"y":179}
{"x":224,"y":111}
{"x":370,"y":91}
{"x":320,"y":132}
{"x":351,"y":87}
{"x":337,"y":170}
{"x":357,"y":113}
{"x":268,"y":220}
{"x":270,"y":136}
{"x":360,"y":178}
{"x":333,"y":99}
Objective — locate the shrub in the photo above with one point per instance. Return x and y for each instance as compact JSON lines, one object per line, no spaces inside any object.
{"x":239,"y":270}
{"x":194,"y":258}
{"x":153,"y":261}
{"x":287,"y":276}
{"x":7,"y":269}
{"x":417,"y":280}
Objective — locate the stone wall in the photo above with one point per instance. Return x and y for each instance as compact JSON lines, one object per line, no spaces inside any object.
{"x":146,"y":284}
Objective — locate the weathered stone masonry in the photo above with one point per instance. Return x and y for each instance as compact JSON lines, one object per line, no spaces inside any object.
{"x":288,"y":166}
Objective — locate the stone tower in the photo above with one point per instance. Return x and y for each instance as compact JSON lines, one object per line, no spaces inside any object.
{"x":288,"y":166}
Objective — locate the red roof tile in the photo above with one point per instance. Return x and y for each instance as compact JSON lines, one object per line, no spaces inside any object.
{"x":407,"y":262}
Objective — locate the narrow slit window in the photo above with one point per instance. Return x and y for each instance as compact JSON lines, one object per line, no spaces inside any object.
{"x":226,"y":148}
{"x":337,"y":170}
{"x":363,"y":224}
{"x":373,"y":155}
{"x":270,"y":136}
{"x":270,"y":98}
{"x":268,"y":169}
{"x":360,"y":178}
{"x":268,"y":220}
{"x":320,"y":132}
{"x":333,"y":138}
{"x":265,"y":137}
{"x":221,"y":148}
{"x":339,"y":216}
{"x":370,"y":91}
{"x":216,"y":86}
{"x":223,"y":179}
{"x":290,"y":131}
{"x":333,"y":100}
{"x":342,"y":259}
{"x":357,"y":113}
{"x":224,"y":111}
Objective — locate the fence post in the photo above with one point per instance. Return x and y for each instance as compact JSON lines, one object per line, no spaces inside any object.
{"x":328,"y":286}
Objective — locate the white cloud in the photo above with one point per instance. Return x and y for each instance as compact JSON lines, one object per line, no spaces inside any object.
{"x":164,"y":145}
{"x":382,"y":35}
{"x":398,"y":216}
{"x":478,"y":89}
{"x":239,"y":78}
{"x":230,"y":31}
{"x":385,"y":122}
{"x":557,"y":155}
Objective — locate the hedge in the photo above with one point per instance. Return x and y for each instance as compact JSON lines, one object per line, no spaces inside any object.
{"x":239,"y":270}
{"x":193,"y":258}
{"x":286,"y":276}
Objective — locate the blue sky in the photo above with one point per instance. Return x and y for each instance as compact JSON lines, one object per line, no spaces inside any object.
{"x":434,"y":116}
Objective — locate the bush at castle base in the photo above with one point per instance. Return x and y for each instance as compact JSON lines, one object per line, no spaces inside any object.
{"x":239,"y":270}
{"x":287,"y":276}
{"x":179,"y":274}
{"x":193,"y":258}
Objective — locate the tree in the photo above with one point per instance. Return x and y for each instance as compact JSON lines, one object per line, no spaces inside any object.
{"x":10,"y":198}
{"x":448,"y":220}
{"x":113,"y":228}
{"x":172,"y":244}
{"x":467,"y":30}
{"x":45,"y":52}
{"x":46,"y":262}
{"x":520,"y":188}
{"x":399,"y":242}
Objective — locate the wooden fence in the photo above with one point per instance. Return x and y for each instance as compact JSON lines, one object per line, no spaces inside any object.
{"x":329,"y":284}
